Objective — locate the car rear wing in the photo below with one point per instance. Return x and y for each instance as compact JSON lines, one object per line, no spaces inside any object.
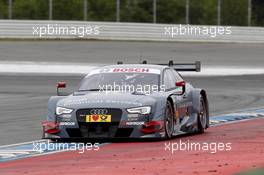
{"x":196,"y":66}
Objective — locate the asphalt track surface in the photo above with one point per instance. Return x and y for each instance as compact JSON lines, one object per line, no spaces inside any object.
{"x":23,"y":98}
{"x":222,"y":54}
{"x":152,"y":158}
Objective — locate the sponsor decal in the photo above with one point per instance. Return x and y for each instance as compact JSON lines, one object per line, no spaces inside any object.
{"x":98,"y":118}
{"x":138,"y":70}
{"x":66,"y":123}
{"x":135,"y":123}
{"x":125,"y":70}
{"x":65,"y":117}
{"x":184,"y":104}
{"x":177,"y":115}
{"x":132,"y":117}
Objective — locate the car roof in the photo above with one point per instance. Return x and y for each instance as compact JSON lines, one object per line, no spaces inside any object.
{"x":151,"y":67}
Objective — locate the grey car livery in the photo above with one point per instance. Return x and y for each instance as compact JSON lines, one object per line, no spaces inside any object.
{"x":129,"y":101}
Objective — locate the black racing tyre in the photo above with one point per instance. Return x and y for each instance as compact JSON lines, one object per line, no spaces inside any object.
{"x":168,"y":121}
{"x":202,"y":116}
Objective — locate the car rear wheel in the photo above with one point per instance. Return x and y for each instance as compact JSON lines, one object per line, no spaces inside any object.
{"x":168,"y":122}
{"x":202,"y":116}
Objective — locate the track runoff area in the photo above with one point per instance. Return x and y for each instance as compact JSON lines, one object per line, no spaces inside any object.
{"x":233,"y":143}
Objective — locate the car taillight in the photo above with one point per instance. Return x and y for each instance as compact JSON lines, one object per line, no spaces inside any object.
{"x":180,"y":84}
{"x":61,"y":84}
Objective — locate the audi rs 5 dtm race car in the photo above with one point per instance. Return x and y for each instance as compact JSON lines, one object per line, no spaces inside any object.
{"x":129,"y":101}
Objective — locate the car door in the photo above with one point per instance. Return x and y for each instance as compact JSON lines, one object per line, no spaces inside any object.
{"x":170,"y":88}
{"x":183,"y":102}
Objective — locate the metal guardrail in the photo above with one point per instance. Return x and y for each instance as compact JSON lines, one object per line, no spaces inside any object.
{"x":26,"y":29}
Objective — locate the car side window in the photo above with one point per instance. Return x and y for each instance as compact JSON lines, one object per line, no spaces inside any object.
{"x":169,"y":79}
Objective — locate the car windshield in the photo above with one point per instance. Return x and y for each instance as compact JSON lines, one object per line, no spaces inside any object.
{"x":118,"y":81}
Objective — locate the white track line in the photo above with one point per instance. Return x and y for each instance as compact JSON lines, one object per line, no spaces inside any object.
{"x":84,"y":68}
{"x":45,"y":68}
{"x":23,"y":143}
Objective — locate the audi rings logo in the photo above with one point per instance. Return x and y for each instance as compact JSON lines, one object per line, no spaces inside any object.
{"x":98,"y":111}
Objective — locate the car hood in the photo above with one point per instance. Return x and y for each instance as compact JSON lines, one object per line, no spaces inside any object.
{"x":105,"y":100}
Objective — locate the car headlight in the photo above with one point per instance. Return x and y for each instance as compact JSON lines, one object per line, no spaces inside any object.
{"x":140,"y":110}
{"x":61,"y":110}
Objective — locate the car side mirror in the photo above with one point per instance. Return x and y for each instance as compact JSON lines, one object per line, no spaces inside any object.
{"x":181,"y":86}
{"x":60,"y":85}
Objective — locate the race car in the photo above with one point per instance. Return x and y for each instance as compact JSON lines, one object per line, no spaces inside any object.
{"x":129,"y":101}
